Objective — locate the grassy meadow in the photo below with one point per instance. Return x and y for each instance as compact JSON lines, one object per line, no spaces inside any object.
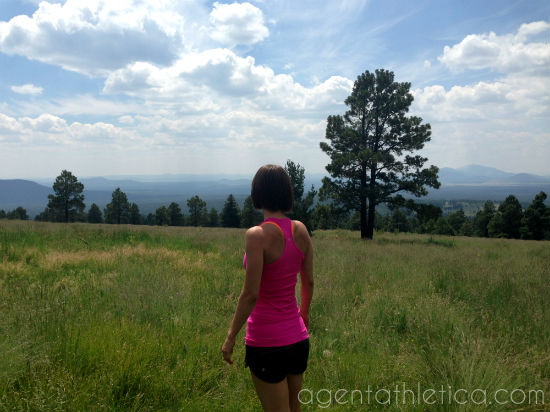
{"x":132,"y":318}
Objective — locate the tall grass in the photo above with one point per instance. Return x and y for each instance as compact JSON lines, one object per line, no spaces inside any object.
{"x":132,"y":318}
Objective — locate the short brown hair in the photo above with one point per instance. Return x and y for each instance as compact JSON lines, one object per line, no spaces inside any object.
{"x":272,"y":189}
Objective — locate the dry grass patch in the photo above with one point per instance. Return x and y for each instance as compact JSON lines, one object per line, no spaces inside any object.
{"x":183,"y":259}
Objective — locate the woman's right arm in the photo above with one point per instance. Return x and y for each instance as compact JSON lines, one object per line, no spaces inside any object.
{"x":250,"y":290}
{"x":306,"y":275}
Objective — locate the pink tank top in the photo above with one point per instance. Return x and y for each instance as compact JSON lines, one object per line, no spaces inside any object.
{"x":275,"y":319}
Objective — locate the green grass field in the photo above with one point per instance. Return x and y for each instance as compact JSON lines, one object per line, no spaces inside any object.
{"x":132,"y":318}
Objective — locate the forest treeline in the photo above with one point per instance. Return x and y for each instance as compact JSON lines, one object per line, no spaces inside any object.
{"x":507,"y":220}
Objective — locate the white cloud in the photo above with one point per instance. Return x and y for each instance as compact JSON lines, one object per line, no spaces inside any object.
{"x":84,"y":104}
{"x":511,"y":97}
{"x":427,"y":64}
{"x":206,"y":76}
{"x":237,"y":23}
{"x":47,"y":129}
{"x":126,"y":119}
{"x":27,"y":89}
{"x":96,"y":36}
{"x":506,"y":53}
{"x":502,"y":123}
{"x":498,"y":122}
{"x":8,"y":125}
{"x":521,"y":93}
{"x":44,"y":123}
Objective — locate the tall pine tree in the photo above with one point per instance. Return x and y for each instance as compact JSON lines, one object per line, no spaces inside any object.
{"x":536,"y":220}
{"x":369,"y":145}
{"x":94,"y":214}
{"x":118,"y":211}
{"x":67,"y":202}
{"x":230,"y":213}
{"x":250,"y":216}
{"x":197,"y":211}
{"x":303,"y":206}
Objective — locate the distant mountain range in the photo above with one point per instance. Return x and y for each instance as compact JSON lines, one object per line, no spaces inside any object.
{"x":488,"y":176}
{"x":473,"y":182}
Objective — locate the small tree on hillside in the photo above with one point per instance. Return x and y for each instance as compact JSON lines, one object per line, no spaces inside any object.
{"x":134,"y":217}
{"x":536,"y":220}
{"x":398,"y":222}
{"x":512,"y":213}
{"x":47,"y":215}
{"x":368,"y":145}
{"x":18,"y":213}
{"x":230,"y":213}
{"x":427,"y":215}
{"x":482,"y":219}
{"x":467,"y":229}
{"x":213,"y":218}
{"x":250,"y":216}
{"x":94,"y":214}
{"x":175,"y":217}
{"x":197,"y":211}
{"x":302,"y":209}
{"x":118,"y":211}
{"x":150,"y":219}
{"x":67,"y":202}
{"x":329,"y":216}
{"x":456,"y":220}
{"x":442,"y":227}
{"x":495,"y":228}
{"x":161,"y":216}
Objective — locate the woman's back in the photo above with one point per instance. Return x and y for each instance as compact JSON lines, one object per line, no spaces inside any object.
{"x":276,"y":319}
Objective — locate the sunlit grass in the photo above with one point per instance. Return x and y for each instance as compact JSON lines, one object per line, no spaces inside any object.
{"x":132,"y":318}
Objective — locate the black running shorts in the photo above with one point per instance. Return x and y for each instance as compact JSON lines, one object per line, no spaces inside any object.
{"x":273,"y":364}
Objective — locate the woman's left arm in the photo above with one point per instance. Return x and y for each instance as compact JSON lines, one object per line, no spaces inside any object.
{"x":251,"y":288}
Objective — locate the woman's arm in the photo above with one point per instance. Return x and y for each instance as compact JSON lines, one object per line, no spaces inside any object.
{"x":306,"y":276}
{"x":251,"y":288}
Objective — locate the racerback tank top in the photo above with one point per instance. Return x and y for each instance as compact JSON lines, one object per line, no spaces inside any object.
{"x":275,"y":319}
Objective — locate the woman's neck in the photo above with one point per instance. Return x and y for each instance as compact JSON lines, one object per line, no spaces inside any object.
{"x":270,"y":213}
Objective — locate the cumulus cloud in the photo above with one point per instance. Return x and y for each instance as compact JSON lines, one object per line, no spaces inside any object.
{"x":521,"y":91}
{"x":511,"y":97}
{"x":84,"y":104}
{"x":225,"y":74}
{"x":44,"y":123}
{"x":126,"y":119}
{"x":95,"y":36}
{"x":506,"y":53}
{"x":8,"y":125}
{"x":503,"y":118}
{"x":48,"y":129}
{"x":27,"y":89}
{"x":237,"y":23}
{"x":492,"y":123}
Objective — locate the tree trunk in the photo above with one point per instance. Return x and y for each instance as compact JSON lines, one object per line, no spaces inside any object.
{"x":363,"y":214}
{"x":363,"y":209}
{"x":370,"y":222}
{"x":372,"y":204}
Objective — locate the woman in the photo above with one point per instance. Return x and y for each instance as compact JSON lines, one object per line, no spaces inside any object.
{"x":277,"y":342}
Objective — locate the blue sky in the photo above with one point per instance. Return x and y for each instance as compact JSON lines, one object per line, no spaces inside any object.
{"x":148,"y":87}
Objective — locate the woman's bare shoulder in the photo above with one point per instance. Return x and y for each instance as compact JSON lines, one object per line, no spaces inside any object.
{"x":254,"y":233}
{"x":299,"y":226}
{"x":300,"y":230}
{"x":301,"y":237}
